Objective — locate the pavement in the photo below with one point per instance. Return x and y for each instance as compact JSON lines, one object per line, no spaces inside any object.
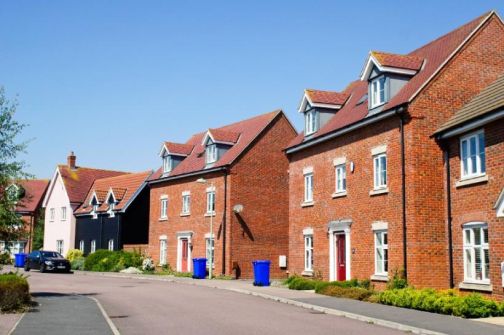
{"x":165,"y":304}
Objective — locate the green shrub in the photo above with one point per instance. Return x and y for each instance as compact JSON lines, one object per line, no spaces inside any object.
{"x":78,"y":263}
{"x":14,"y":292}
{"x":357,"y":293}
{"x":398,"y":280}
{"x":444,"y":302}
{"x":111,"y":261}
{"x":73,"y":254}
{"x":5,"y":258}
{"x":302,"y":283}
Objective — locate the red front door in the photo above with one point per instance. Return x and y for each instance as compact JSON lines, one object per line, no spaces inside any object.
{"x":341,"y":257}
{"x":185,"y":253}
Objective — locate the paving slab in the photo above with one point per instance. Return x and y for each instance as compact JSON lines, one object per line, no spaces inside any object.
{"x":8,"y":321}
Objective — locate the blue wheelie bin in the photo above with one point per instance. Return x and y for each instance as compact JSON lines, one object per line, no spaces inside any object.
{"x":199,"y":268}
{"x":19,"y":260}
{"x":261,"y":272}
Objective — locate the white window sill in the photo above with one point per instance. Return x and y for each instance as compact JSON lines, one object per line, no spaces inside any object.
{"x":163,"y":219}
{"x":379,"y":277}
{"x":209,"y":214}
{"x":185,"y":214}
{"x":339,"y":194}
{"x":471,"y":181}
{"x":307,"y":273}
{"x":379,"y":191}
{"x":476,"y":286}
{"x":307,"y":204}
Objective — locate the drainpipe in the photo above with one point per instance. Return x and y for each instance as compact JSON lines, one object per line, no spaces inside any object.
{"x":449,"y":213}
{"x":224,"y":224}
{"x":403,"y":200}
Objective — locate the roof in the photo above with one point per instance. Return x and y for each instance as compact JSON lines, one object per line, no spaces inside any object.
{"x":34,"y":191}
{"x":326,"y":97}
{"x":488,"y":100}
{"x":178,"y":148}
{"x":125,"y":185}
{"x":435,"y":54}
{"x":78,"y":181}
{"x":409,"y":62}
{"x":241,"y":133}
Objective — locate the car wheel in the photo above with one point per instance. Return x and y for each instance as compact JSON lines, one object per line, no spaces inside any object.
{"x":42,"y":268}
{"x":26,"y":268}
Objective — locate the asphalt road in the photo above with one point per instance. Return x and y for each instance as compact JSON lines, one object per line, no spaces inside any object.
{"x":140,"y":306}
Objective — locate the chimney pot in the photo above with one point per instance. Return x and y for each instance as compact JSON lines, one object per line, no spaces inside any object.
{"x":71,"y":159}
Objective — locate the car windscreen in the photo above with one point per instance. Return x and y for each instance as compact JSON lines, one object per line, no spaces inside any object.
{"x":51,"y":254}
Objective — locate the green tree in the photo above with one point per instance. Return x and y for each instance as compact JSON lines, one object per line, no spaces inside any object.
{"x":11,"y":167}
{"x":38,"y":232}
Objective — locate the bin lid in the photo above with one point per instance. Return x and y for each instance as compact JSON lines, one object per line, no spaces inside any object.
{"x":262,"y":261}
{"x":199,"y":259}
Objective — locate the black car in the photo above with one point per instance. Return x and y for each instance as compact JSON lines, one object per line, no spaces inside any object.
{"x":46,"y":261}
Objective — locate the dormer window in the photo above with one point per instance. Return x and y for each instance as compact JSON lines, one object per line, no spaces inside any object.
{"x":94,"y":204}
{"x":378,"y":91}
{"x":211,"y":153}
{"x":311,"y":122}
{"x":167,"y":164}
{"x":111,"y":203}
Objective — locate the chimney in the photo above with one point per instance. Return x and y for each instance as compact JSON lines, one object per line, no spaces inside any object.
{"x":71,"y":160}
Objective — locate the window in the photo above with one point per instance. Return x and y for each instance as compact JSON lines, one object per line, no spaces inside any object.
{"x":81,"y":246}
{"x":111,"y":244}
{"x":111,"y":204}
{"x":63,"y":213}
{"x":164,"y":208}
{"x":308,"y":187}
{"x":93,"y":246}
{"x":380,"y":171}
{"x":378,"y":91}
{"x":340,"y":178}
{"x":51,"y":214}
{"x":311,"y":122}
{"x":210,"y":251}
{"x":308,"y":245}
{"x":211,"y":153}
{"x":472,"y":150}
{"x":476,"y":254}
{"x":162,"y":252}
{"x":381,"y":252}
{"x":167,"y":164}
{"x":210,"y":202}
{"x":186,"y":203}
{"x":59,"y":246}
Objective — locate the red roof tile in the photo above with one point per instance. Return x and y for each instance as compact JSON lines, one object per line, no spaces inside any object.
{"x":244,"y":132}
{"x":409,"y":62}
{"x":34,"y":192}
{"x":327,"y":97}
{"x":78,"y":181}
{"x":220,"y":135}
{"x":126,"y":184}
{"x":178,"y":148}
{"x":435,"y":54}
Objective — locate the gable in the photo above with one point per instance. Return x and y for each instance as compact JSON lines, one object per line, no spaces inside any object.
{"x":56,"y":192}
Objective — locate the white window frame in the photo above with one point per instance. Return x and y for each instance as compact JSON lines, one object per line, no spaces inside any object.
{"x":479,"y":156}
{"x":63,"y":213}
{"x":210,"y":194}
{"x":308,"y":187}
{"x":186,"y":203}
{"x":163,"y":248}
{"x":51,"y":214}
{"x":381,"y":247}
{"x":110,"y":244}
{"x":340,"y":175}
{"x":469,"y":249}
{"x":111,"y":209}
{"x":210,"y":248}
{"x":380,"y":83}
{"x":60,"y":246}
{"x":167,"y":164}
{"x":163,"y":208}
{"x":380,"y":174}
{"x":211,"y":153}
{"x":81,"y":246}
{"x":93,"y":246}
{"x":311,"y":122}
{"x":308,"y":252}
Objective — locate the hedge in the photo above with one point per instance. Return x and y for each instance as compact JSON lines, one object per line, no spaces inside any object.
{"x":14,"y":292}
{"x":112,"y":261}
{"x":302,"y":283}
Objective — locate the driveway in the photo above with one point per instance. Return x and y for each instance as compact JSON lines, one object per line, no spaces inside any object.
{"x":139,"y":306}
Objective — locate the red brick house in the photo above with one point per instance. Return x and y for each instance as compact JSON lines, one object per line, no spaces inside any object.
{"x":366,"y":176}
{"x":243,"y":188}
{"x":473,"y":143}
{"x":30,"y":194}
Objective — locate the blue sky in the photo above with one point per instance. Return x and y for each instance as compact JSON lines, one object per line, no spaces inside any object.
{"x":112,"y":80}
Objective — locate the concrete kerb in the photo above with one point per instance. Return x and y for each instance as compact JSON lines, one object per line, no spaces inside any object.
{"x":16,"y":324}
{"x":330,"y":311}
{"x":111,"y":324}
